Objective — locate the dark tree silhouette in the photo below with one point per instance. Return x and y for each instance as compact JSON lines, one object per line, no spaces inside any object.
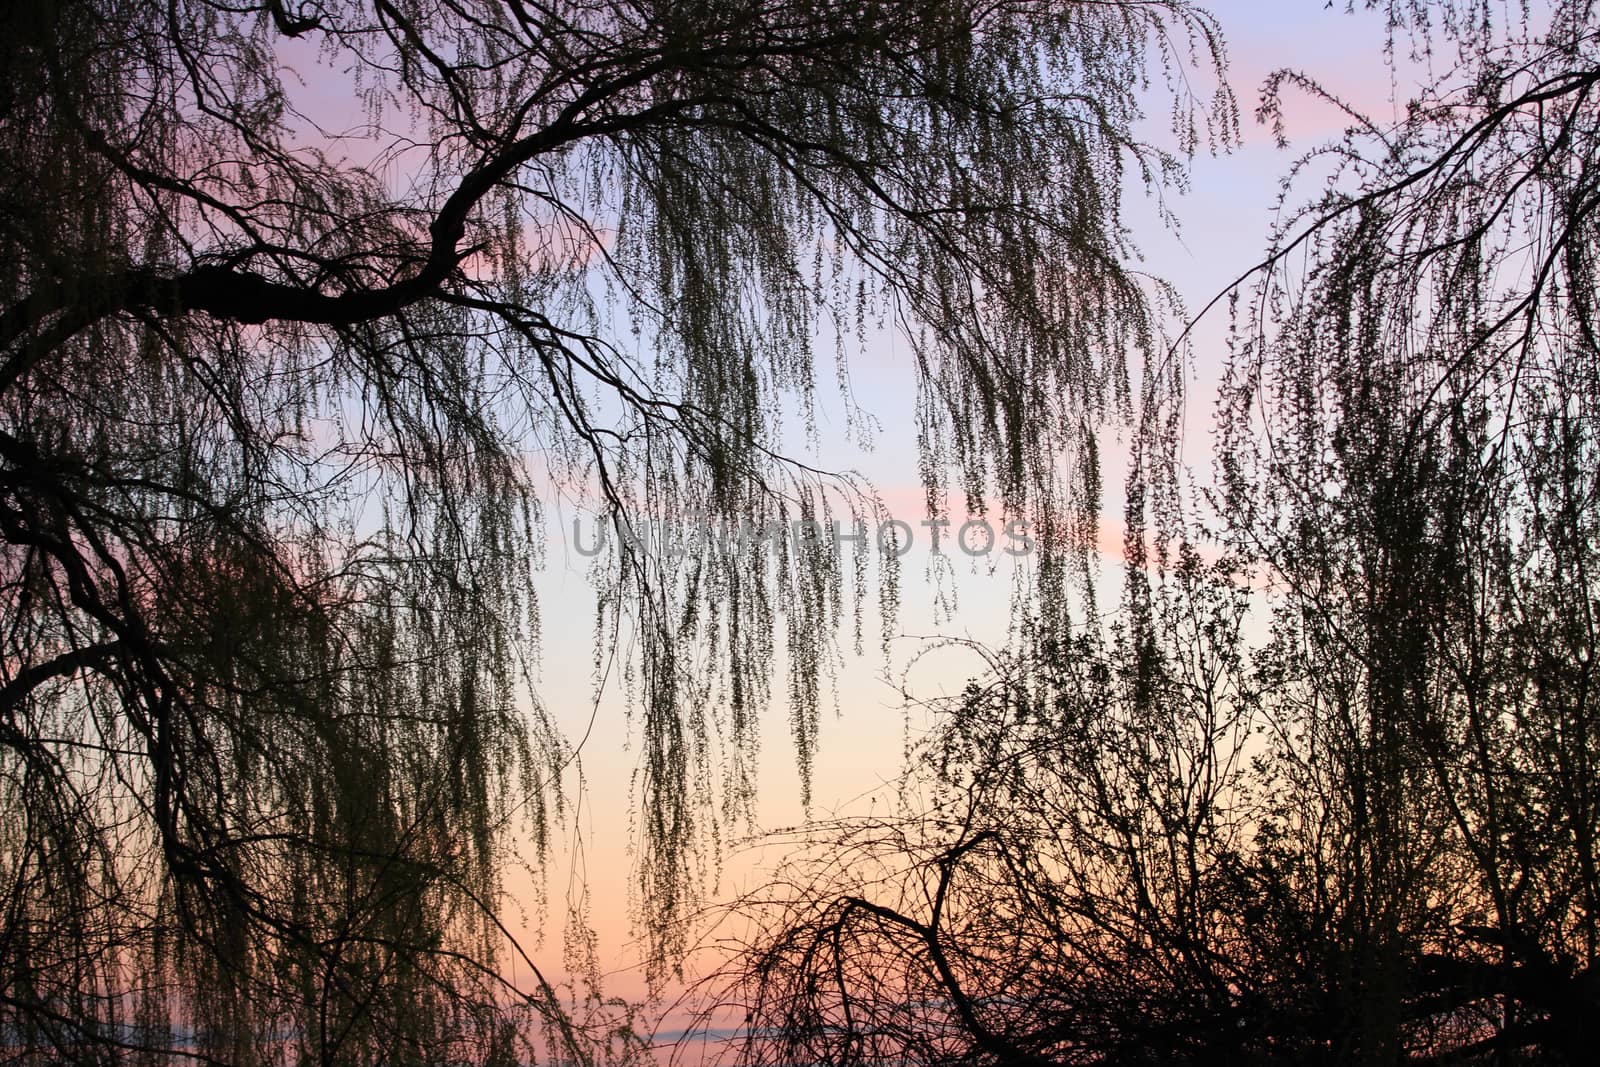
{"x":1410,"y":448}
{"x":275,"y":399}
{"x":1362,"y":830}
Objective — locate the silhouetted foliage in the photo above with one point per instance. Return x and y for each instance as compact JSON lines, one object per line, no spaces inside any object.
{"x":1411,"y":450}
{"x":275,"y":401}
{"x":1361,"y":828}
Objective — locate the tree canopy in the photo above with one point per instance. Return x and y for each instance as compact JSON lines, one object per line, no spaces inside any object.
{"x":278,"y":402}
{"x":1362,"y":828}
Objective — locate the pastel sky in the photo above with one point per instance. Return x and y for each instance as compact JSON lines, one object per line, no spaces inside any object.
{"x":1224,"y":219}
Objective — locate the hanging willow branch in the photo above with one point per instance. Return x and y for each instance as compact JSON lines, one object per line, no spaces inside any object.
{"x":275,"y":401}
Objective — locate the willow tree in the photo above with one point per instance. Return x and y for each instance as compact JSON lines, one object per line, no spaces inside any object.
{"x":1411,"y":448}
{"x":277,"y":401}
{"x":1361,"y":830}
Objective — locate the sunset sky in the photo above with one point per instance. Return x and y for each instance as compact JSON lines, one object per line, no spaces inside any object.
{"x":446,"y":451}
{"x":1224,"y":217}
